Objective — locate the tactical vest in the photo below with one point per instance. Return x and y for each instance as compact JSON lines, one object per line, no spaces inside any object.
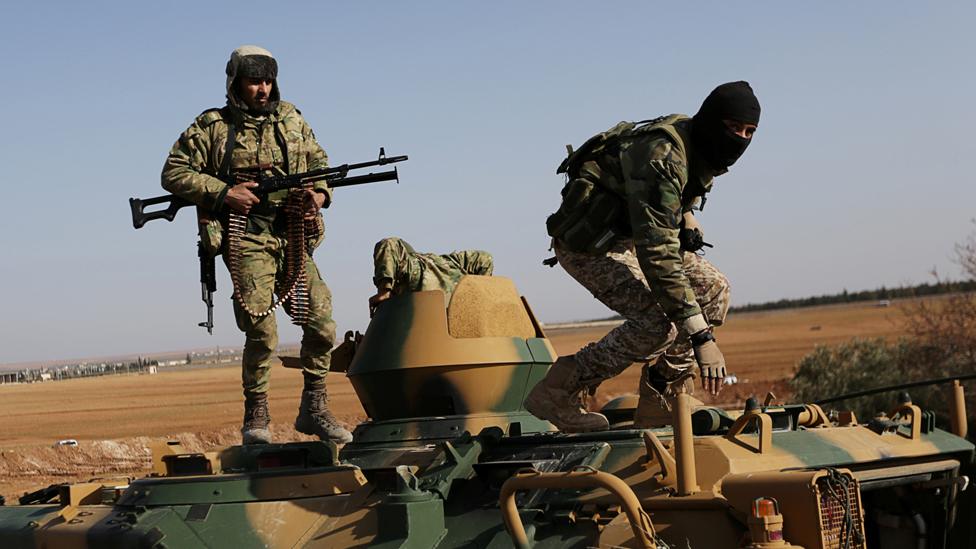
{"x":264,"y":215}
{"x":286,"y":155}
{"x":593,"y":213}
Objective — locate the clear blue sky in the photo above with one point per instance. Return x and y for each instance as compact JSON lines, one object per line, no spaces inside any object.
{"x":859,"y":175}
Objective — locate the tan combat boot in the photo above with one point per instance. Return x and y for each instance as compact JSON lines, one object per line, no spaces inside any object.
{"x":314,"y":417}
{"x":557,"y":399}
{"x":654,"y":405}
{"x":653,"y":409}
{"x":256,"y":420}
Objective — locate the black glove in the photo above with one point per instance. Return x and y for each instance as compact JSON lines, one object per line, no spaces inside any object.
{"x":692,"y":240}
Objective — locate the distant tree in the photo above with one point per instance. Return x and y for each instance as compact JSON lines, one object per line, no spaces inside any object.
{"x":950,"y":323}
{"x":941,"y":343}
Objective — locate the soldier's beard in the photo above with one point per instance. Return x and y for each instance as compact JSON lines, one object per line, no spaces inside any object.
{"x":264,"y":109}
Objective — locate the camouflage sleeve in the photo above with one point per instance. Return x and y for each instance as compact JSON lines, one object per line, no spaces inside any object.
{"x":315,"y":158}
{"x":392,"y":268}
{"x":184,"y":173}
{"x":473,"y":262}
{"x":653,"y":174}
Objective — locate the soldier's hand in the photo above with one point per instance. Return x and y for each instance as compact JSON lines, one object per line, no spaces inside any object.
{"x":382,"y":295}
{"x":691,"y":236}
{"x":710,"y":360}
{"x":314,"y":201}
{"x":240,"y":199}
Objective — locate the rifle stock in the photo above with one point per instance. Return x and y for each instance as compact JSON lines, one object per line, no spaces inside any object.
{"x":140,"y":216}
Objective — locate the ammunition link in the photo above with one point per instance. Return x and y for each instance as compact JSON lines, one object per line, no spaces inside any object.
{"x":301,"y":234}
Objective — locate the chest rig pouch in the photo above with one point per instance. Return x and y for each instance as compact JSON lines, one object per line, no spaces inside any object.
{"x":593,"y":213}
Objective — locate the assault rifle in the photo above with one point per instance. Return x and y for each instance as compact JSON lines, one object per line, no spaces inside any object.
{"x":336,"y":177}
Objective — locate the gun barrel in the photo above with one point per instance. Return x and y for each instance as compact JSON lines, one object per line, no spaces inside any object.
{"x":390,"y":175}
{"x":381,"y":161}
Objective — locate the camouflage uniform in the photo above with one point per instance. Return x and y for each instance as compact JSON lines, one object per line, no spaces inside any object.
{"x":624,"y":216}
{"x":617,"y":233}
{"x":277,"y":140}
{"x":191,"y":172}
{"x":398,"y":268}
{"x":646,"y":277}
{"x":647,"y":335}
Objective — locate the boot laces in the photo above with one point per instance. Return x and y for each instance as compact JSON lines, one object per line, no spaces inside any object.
{"x":319,"y":410}
{"x":256,"y":413}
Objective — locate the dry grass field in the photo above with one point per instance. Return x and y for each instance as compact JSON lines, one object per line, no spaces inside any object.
{"x":115,"y":417}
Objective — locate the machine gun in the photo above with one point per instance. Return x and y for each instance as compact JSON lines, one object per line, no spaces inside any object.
{"x":337,"y":176}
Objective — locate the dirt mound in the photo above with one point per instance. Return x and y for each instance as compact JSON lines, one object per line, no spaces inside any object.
{"x":29,"y":468}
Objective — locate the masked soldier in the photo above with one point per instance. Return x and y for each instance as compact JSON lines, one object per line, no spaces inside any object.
{"x":256,"y":132}
{"x":399,"y":269}
{"x":625,"y":231}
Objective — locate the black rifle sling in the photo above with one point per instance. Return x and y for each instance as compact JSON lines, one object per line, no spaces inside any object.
{"x":225,"y":164}
{"x":280,"y":138}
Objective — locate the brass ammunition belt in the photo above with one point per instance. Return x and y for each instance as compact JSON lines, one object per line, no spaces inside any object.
{"x":301,"y":233}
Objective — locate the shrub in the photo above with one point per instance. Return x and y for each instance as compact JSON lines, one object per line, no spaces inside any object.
{"x":863,"y":364}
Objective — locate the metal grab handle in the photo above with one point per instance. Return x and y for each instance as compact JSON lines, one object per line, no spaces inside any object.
{"x":763,"y":422}
{"x":530,"y":479}
{"x":915,"y":418}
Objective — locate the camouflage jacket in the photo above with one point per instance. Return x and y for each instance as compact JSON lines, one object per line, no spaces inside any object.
{"x":282,"y":140}
{"x":657,"y":175}
{"x":399,"y":268}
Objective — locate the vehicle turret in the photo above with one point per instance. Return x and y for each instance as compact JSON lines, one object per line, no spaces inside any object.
{"x":421,"y":361}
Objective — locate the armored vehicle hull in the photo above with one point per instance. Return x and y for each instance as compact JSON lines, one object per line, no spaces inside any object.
{"x":450,"y":459}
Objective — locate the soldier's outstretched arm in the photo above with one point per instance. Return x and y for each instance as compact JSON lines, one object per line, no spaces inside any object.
{"x":390,"y":269}
{"x":655,"y":174}
{"x":390,"y":262}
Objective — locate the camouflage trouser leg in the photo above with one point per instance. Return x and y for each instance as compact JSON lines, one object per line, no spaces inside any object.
{"x":617,"y":281}
{"x":318,"y":334}
{"x":713,"y":292}
{"x":262,"y":262}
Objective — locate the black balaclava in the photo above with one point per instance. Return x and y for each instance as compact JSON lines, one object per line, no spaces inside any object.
{"x":712,"y":139}
{"x":252,"y":62}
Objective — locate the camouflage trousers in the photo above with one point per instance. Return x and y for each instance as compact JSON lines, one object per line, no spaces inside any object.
{"x":646,"y":336}
{"x":262,"y":264}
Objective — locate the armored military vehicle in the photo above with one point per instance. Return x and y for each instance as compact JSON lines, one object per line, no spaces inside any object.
{"x":449,"y":458}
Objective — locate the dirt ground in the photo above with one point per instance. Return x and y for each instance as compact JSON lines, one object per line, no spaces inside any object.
{"x":114,"y":417}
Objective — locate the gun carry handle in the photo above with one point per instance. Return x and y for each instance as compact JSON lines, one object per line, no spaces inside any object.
{"x":140,"y":216}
